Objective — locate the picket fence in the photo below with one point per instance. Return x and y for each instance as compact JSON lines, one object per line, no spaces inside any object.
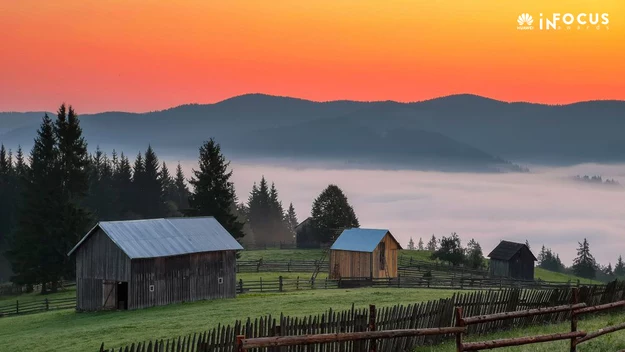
{"x":431,"y":314}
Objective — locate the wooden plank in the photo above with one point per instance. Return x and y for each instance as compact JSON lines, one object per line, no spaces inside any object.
{"x":523,"y":313}
{"x":518,"y":341}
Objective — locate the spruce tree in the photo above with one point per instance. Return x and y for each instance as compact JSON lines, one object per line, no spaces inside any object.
{"x":7,"y":197}
{"x":279,"y":227}
{"x":73,"y":156}
{"x":584,"y":264}
{"x":182,"y":192}
{"x":138,"y":186}
{"x":619,"y":268}
{"x":21,"y":168}
{"x":450,"y":250}
{"x":153,"y":204}
{"x":432,"y":244}
{"x":169,"y":191}
{"x":474,"y":255}
{"x":37,"y":251}
{"x":332,"y":212}
{"x":420,"y":246}
{"x":123,"y":186}
{"x":411,"y":245}
{"x":213,"y":192}
{"x":103,"y":198}
{"x":260,"y":213}
{"x":291,"y":220}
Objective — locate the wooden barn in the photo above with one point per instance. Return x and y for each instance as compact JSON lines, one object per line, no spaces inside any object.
{"x":512,"y":260}
{"x":364,"y":253}
{"x":145,"y":263}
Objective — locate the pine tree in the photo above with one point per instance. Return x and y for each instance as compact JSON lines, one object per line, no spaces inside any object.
{"x":168,"y":191}
{"x":527,"y":243}
{"x":411,"y":245}
{"x":432,"y":244}
{"x":7,"y":197}
{"x":138,"y":186}
{"x":420,"y":246}
{"x":450,"y":250}
{"x":123,"y":186}
{"x":21,"y":168}
{"x":182,"y":192}
{"x":36,"y":246}
{"x":213,"y":193}
{"x":279,"y":227}
{"x":584,"y":263}
{"x":73,"y":161}
{"x":619,"y":268}
{"x":102,"y":199}
{"x":73,"y":156}
{"x":260,"y":213}
{"x":152,"y":200}
{"x":291,"y":220}
{"x":608,"y":270}
{"x":332,"y":212}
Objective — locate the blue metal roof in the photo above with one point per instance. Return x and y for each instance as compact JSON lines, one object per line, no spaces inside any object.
{"x":359,"y":240}
{"x":166,"y":237}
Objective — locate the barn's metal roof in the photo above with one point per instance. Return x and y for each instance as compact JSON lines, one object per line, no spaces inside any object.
{"x":505,"y":250}
{"x":166,"y":237}
{"x":359,"y":240}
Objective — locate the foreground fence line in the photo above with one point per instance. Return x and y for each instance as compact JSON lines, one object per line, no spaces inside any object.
{"x":423,"y":315}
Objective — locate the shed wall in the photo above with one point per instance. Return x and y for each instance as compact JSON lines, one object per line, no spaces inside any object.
{"x":97,"y":260}
{"x":184,"y":278}
{"x":391,"y":251}
{"x":499,"y":268}
{"x":349,"y":264}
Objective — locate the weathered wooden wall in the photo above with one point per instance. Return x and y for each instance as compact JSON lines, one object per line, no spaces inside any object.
{"x":499,"y":268}
{"x":365,"y":264}
{"x":391,"y":250}
{"x":350,"y":264}
{"x":184,"y":278}
{"x":522,"y":265}
{"x":98,"y":259}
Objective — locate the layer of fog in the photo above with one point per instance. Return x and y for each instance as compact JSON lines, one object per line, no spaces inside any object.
{"x":545,"y":207}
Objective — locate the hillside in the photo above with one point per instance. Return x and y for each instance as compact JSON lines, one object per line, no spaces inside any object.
{"x":459,"y":130}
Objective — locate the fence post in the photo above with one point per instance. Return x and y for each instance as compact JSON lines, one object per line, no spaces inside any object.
{"x":17,"y":307}
{"x":574,"y":300}
{"x":240,"y":343}
{"x":326,"y":283}
{"x":398,"y":280}
{"x":288,"y":268}
{"x":240,"y":285}
{"x":280,"y":282}
{"x":297,"y":283}
{"x":261,"y":284}
{"x":372,"y":317}
{"x":459,"y":324}
{"x":47,"y":304}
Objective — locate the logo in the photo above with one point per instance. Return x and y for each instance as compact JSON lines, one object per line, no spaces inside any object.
{"x":566,"y":21}
{"x":525,"y":21}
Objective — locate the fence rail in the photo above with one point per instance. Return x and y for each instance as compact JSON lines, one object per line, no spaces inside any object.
{"x":424,"y":315}
{"x":38,"y":306}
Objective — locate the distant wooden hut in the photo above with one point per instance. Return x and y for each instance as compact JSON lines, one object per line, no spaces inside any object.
{"x":512,"y":260}
{"x":364,"y":253}
{"x":144,"y":263}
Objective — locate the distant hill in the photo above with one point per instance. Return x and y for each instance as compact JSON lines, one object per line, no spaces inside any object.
{"x":455,"y":131}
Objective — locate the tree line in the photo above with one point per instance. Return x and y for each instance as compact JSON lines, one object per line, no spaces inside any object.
{"x":50,"y":198}
{"x":449,"y":249}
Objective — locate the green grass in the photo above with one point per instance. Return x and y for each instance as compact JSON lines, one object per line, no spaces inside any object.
{"x":282,"y":254}
{"x":275,"y":275}
{"x":68,"y":331}
{"x":69,"y":292}
{"x":547,"y":275}
{"x":610,"y":342}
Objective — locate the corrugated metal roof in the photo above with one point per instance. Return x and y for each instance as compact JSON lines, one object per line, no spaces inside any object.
{"x":506,"y":250}
{"x":166,"y":237}
{"x":359,"y":240}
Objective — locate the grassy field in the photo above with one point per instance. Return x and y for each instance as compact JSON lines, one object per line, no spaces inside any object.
{"x":68,"y":331}
{"x":547,"y":275}
{"x":610,"y":342}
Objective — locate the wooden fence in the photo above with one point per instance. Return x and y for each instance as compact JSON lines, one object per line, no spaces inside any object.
{"x":425,"y":315}
{"x":261,"y":265}
{"x":38,"y":306}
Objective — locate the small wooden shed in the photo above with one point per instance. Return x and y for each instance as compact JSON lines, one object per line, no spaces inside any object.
{"x":364,"y":253}
{"x":512,"y":260}
{"x":144,"y":263}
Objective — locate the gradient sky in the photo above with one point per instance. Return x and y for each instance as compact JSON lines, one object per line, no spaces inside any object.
{"x":142,"y":55}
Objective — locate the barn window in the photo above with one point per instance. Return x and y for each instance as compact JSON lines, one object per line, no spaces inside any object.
{"x":382,"y":256}
{"x":220,"y":280}
{"x":151,"y":288}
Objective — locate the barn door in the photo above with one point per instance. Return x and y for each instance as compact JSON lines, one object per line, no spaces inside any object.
{"x":109,"y":294}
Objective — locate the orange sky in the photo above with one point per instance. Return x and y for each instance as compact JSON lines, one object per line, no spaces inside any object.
{"x":141,"y":55}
